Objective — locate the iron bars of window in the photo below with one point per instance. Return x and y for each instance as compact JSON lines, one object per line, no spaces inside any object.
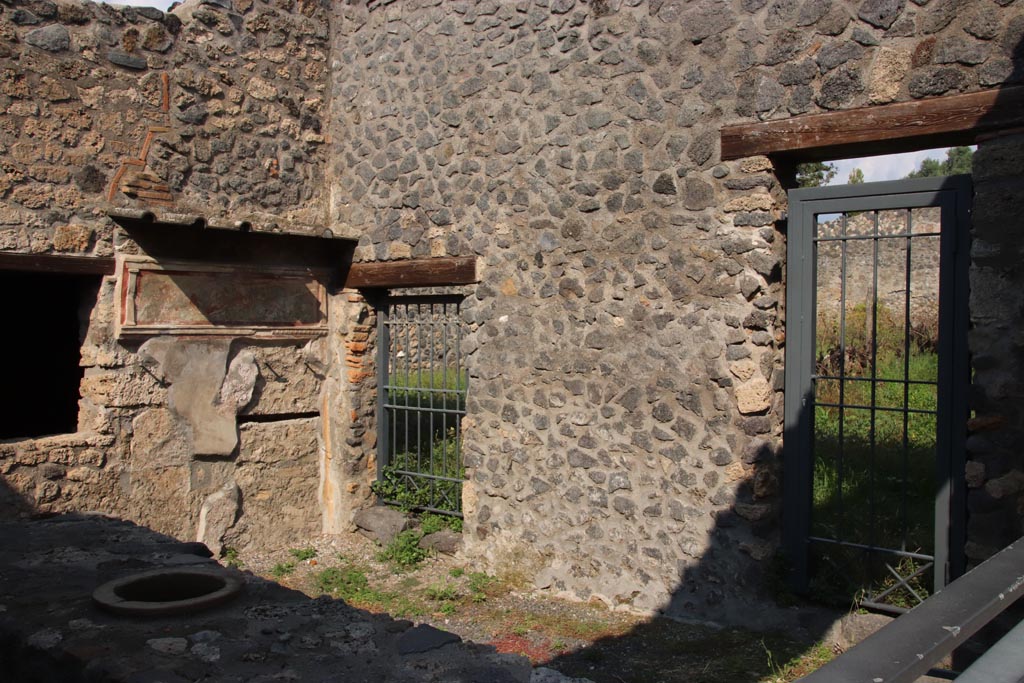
{"x":875,"y":406}
{"x":421,"y":400}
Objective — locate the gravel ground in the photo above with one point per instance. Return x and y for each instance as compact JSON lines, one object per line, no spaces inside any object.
{"x":577,"y":639}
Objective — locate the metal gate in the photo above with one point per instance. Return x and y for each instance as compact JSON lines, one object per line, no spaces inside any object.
{"x":876,"y":379}
{"x":421,"y":400}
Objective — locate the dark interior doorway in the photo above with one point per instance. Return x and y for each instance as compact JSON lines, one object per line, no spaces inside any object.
{"x":45,"y":321}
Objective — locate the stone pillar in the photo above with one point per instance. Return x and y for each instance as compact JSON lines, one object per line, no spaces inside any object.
{"x":995,"y":467}
{"x":349,"y":462}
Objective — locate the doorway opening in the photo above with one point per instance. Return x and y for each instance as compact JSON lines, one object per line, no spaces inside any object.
{"x":422,"y":382}
{"x":876,"y":374}
{"x":46,"y":318}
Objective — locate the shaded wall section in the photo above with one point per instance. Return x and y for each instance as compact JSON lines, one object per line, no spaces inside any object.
{"x":995,"y":471}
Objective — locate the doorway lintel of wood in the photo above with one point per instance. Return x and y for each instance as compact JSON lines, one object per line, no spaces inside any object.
{"x":884,"y":129}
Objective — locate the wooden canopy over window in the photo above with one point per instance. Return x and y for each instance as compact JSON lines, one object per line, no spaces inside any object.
{"x":884,"y":129}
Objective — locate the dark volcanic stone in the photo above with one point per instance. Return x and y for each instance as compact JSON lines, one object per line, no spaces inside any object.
{"x":881,"y":13}
{"x":122,"y":58}
{"x":424,"y":638}
{"x":52,"y":38}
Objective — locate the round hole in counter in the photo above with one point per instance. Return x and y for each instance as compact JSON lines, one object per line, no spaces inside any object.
{"x":167,"y":592}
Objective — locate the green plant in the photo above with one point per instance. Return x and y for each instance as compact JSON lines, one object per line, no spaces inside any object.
{"x":448,"y":608}
{"x":402,"y":606}
{"x":431,"y":523}
{"x":404,"y":550}
{"x":231,"y":559}
{"x":479,"y":582}
{"x":347,"y":583}
{"x":456,"y":572}
{"x":401,"y":484}
{"x":798,"y":666}
{"x":282,"y":569}
{"x":440,"y":593}
{"x":303,"y":554}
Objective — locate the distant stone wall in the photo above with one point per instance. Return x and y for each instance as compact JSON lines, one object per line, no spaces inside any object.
{"x":625,"y":411}
{"x":845,"y":271}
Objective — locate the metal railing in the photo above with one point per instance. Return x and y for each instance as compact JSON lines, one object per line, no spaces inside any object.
{"x":911,"y":645}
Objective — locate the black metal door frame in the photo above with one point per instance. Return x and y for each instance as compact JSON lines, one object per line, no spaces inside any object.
{"x":953,"y":197}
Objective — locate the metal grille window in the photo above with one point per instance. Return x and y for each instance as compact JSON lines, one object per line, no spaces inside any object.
{"x":421,"y":399}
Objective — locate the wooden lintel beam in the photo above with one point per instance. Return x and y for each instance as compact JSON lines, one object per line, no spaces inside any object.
{"x":428,"y":272}
{"x":57,"y":263}
{"x":883,"y":129}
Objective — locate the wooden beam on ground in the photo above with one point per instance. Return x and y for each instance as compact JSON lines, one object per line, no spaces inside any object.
{"x":883,"y":129}
{"x":428,"y":272}
{"x":55,"y":263}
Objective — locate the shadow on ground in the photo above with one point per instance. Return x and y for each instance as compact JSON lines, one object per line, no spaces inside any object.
{"x":50,"y":630}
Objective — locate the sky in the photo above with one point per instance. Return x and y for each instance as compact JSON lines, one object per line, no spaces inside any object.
{"x":888,"y":167}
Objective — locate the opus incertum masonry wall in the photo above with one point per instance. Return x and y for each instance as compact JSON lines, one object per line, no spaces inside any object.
{"x":625,"y":349}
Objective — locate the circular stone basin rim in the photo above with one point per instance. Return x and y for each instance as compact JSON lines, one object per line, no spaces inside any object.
{"x":166,"y":592}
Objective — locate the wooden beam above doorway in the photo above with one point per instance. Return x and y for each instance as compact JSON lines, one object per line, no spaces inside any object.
{"x":883,"y":129}
{"x":57,"y":263}
{"x":428,"y":272}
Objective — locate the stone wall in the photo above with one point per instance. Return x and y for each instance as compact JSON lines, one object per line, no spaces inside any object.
{"x":623,"y":435}
{"x":861,"y":280}
{"x":212,"y":113}
{"x":995,"y":470}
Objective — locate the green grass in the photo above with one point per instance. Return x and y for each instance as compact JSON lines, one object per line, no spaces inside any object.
{"x":442,"y":592}
{"x":282,"y":569}
{"x":303,"y":554}
{"x":425,"y":441}
{"x":874,"y":470}
{"x":231,"y":558}
{"x":345,"y":583}
{"x":351,"y":584}
{"x":413,"y":378}
{"x":431,"y":523}
{"x":404,"y":551}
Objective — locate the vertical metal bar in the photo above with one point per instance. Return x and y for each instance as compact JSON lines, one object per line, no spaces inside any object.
{"x":841,"y":455}
{"x":462,"y":384}
{"x":433,"y":350}
{"x":872,"y":535}
{"x":952,"y":407}
{"x":799,"y":398}
{"x":408,"y":381}
{"x":445,"y":316}
{"x":383,"y":358}
{"x":398,"y":317}
{"x":906,"y":379}
{"x":961,"y":189}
